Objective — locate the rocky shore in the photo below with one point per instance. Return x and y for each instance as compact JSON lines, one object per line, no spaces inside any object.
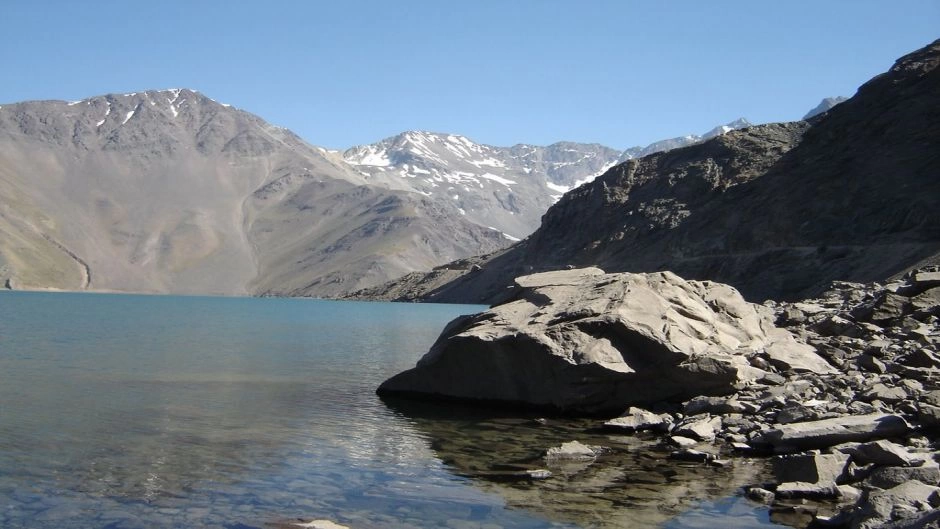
{"x":841,"y":392}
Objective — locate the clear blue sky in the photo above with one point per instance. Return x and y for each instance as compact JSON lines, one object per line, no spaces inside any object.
{"x":340,"y":73}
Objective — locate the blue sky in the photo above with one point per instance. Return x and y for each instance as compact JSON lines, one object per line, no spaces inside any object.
{"x":618,"y":72}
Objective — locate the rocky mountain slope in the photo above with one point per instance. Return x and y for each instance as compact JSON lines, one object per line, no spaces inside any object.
{"x":170,"y":191}
{"x":779,"y":211}
{"x":824,"y":106}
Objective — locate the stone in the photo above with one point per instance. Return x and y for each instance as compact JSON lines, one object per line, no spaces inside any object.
{"x":924,"y":280}
{"x":921,"y":357}
{"x":690,"y":454}
{"x":772,"y":379}
{"x":637,"y":419}
{"x":890,"y":477}
{"x":798,"y":489}
{"x":885,"y":393}
{"x":871,"y":364}
{"x":682,"y":442}
{"x":715,"y":405}
{"x":829,"y":432}
{"x":570,"y":451}
{"x":878,"y":506}
{"x":702,"y":429}
{"x":793,"y":414}
{"x":928,"y":415}
{"x":790,"y":355}
{"x":883,"y":452}
{"x":848,"y":493}
{"x":810,"y":468}
{"x":927,"y":302}
{"x":585,"y":342}
{"x":760,"y":495}
{"x":927,"y":520}
{"x":890,"y":307}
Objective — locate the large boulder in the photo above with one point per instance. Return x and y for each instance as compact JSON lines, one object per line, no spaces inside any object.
{"x":582,"y":341}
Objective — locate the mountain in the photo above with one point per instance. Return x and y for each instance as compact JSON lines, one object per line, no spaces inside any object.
{"x":507,"y":189}
{"x":170,"y":191}
{"x":778,"y":210}
{"x":683,"y":141}
{"x":824,"y":106}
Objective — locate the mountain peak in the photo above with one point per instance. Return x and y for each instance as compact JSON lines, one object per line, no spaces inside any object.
{"x":824,"y":106}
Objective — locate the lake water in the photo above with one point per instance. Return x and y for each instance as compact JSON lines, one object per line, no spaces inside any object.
{"x":123,"y":412}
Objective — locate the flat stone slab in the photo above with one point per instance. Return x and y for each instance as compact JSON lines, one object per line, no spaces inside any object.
{"x":829,"y":432}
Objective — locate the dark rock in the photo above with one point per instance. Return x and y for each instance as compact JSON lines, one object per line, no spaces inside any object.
{"x":884,"y":393}
{"x":825,"y":469}
{"x":890,"y":477}
{"x":890,"y":307}
{"x":715,"y":405}
{"x":760,"y":495}
{"x":928,"y":415}
{"x":690,"y":454}
{"x":883,"y":452}
{"x":829,"y":432}
{"x":704,"y":429}
{"x":872,"y":364}
{"x":927,"y":520}
{"x":879,"y":506}
{"x":819,"y":491}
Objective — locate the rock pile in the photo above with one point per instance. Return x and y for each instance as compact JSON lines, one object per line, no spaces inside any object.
{"x":860,"y":442}
{"x":849,"y":409}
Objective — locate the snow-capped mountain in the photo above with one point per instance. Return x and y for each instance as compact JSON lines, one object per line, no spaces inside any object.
{"x":506,"y":189}
{"x":170,"y":191}
{"x":503,"y":188}
{"x":683,"y":141}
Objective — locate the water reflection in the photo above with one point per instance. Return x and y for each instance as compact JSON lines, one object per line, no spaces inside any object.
{"x":631,"y":485}
{"x":144,"y":412}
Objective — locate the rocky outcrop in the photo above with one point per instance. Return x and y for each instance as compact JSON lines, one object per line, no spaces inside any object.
{"x":852,"y":427}
{"x":582,"y":341}
{"x":778,"y":211}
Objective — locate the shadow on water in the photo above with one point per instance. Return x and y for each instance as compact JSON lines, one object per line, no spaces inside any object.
{"x":631,"y":483}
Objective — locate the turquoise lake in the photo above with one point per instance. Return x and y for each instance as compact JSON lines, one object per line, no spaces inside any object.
{"x":123,"y":411}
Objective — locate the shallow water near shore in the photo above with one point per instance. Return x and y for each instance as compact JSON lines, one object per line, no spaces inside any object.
{"x":125,"y":412}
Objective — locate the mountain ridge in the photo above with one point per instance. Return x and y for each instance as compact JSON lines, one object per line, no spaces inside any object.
{"x":777,"y":210}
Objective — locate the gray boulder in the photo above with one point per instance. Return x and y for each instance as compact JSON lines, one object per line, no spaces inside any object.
{"x":829,"y":432}
{"x":810,"y":468}
{"x":889,"y":477}
{"x":884,"y":453}
{"x":637,"y":419}
{"x":881,"y":506}
{"x":582,"y":341}
{"x":570,"y":451}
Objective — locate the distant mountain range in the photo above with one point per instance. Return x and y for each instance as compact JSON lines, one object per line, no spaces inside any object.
{"x":778,"y":210}
{"x":169,"y":191}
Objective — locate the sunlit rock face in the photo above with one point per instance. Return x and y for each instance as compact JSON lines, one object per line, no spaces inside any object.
{"x":582,"y":341}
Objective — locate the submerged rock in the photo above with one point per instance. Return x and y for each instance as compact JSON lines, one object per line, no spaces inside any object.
{"x":582,"y":341}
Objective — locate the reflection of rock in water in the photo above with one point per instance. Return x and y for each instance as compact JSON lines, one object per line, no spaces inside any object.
{"x":630,"y":484}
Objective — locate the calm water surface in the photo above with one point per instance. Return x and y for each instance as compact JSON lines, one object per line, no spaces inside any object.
{"x":159,"y":411}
